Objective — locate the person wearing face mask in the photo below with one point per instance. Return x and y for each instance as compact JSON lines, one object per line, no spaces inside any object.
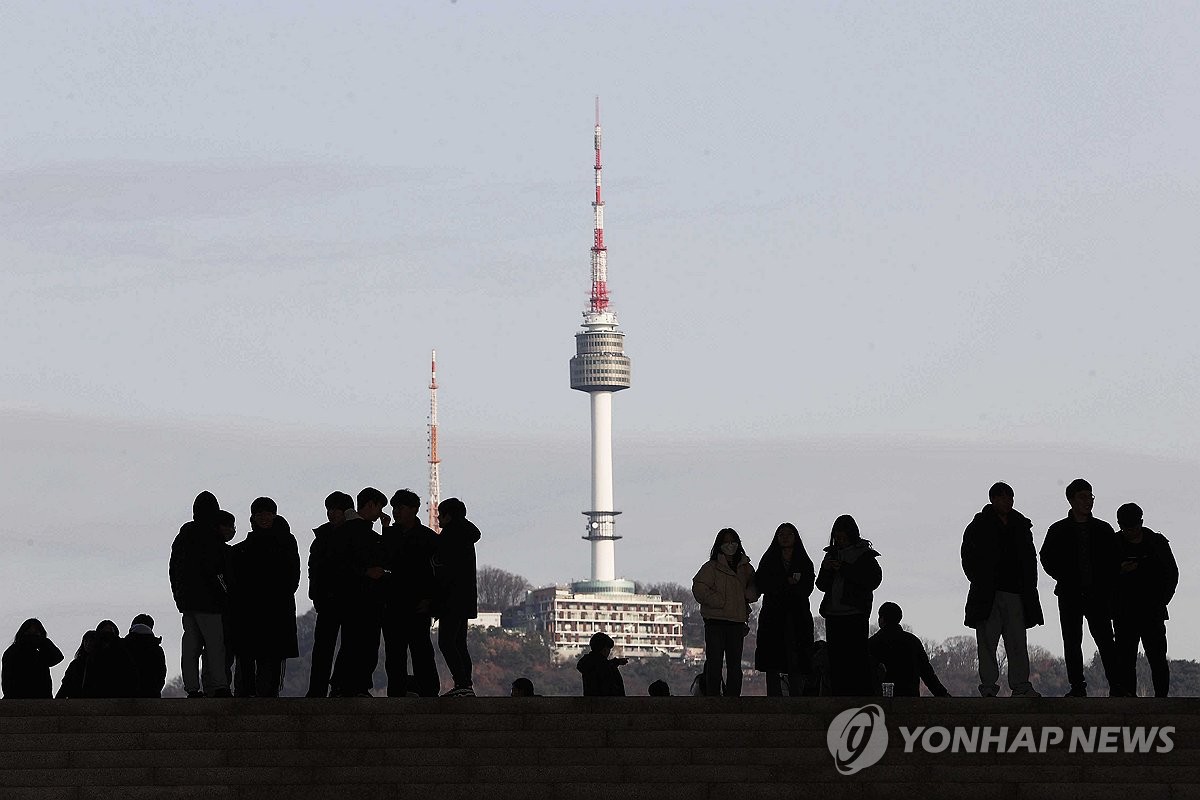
{"x":849,"y":576}
{"x":724,"y":588}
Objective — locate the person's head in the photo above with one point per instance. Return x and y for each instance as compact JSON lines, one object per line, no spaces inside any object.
{"x":109,"y":627}
{"x":226,"y":525}
{"x":1129,"y":517}
{"x":336,"y":506}
{"x":205,"y":508}
{"x":1079,"y":495}
{"x":405,"y":505}
{"x":659,"y":689}
{"x":602,"y":644}
{"x":370,"y":503}
{"x":890,"y":614}
{"x":262,"y":513}
{"x":143,"y":619}
{"x":451,"y":510}
{"x":845,"y":531}
{"x":87,"y":644}
{"x":521,"y":687}
{"x":786,"y":535}
{"x":1001,"y":497}
{"x":727,"y":543}
{"x":32,"y":627}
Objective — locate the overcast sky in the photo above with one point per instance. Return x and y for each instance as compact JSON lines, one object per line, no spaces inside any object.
{"x":868,"y":258}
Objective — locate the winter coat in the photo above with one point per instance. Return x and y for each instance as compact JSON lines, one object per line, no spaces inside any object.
{"x":785,"y":625}
{"x":857,"y":579}
{"x":110,"y":670}
{"x":198,"y":564}
{"x":601,"y":676}
{"x":26,"y":667}
{"x":905,"y":662}
{"x":983,"y":546}
{"x":409,"y":556}
{"x":263,"y":577}
{"x":357,"y":548}
{"x":72,"y":679}
{"x":1060,"y":558}
{"x":454,"y":571}
{"x":1147,"y":590}
{"x":322,"y":565}
{"x":149,"y":659}
{"x":723,"y":592}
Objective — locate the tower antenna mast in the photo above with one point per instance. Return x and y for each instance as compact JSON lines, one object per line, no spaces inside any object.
{"x":435,"y":480}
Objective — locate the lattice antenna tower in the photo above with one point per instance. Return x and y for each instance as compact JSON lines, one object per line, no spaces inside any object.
{"x":435,"y":478}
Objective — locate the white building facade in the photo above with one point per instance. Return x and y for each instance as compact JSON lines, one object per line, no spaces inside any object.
{"x":641,"y":625}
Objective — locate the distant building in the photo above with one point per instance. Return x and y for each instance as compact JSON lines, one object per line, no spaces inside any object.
{"x":641,"y":625}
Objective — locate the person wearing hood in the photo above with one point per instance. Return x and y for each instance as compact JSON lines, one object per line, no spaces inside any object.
{"x":1146,"y":583}
{"x":326,"y":591}
{"x":264,"y":576}
{"x":785,"y":626}
{"x":849,"y":576}
{"x":197,"y":584}
{"x":25,"y":674}
{"x":1080,"y":553}
{"x":724,"y":588}
{"x":110,"y":670}
{"x":71,"y":685}
{"x":1000,"y":561}
{"x":456,"y":594}
{"x":359,"y":569}
{"x":148,"y":657}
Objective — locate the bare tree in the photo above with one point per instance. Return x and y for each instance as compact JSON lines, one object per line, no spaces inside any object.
{"x":499,"y":589}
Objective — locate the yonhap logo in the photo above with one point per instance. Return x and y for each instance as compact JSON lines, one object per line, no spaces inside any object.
{"x":857,"y":738}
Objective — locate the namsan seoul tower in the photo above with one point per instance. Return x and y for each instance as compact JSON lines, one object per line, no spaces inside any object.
{"x":600,"y":367}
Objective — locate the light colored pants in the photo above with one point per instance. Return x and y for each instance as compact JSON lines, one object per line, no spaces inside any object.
{"x":1007,"y":620}
{"x":204,"y":639}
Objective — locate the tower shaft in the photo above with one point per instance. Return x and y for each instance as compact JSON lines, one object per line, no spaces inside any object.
{"x":435,"y":478}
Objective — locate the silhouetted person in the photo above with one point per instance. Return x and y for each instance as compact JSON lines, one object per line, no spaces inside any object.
{"x":902,"y":656}
{"x":456,"y":599}
{"x":521,"y":687}
{"x":326,"y":590}
{"x":148,"y":657}
{"x":72,"y":680}
{"x":849,"y":576}
{"x":360,"y":573}
{"x":110,"y":669}
{"x":1080,"y":553}
{"x":601,"y":674}
{"x":1000,"y":561}
{"x":785,"y":577}
{"x":25,"y":674}
{"x":197,"y":569}
{"x":724,"y":588}
{"x":659,"y":689}
{"x":409,"y":548}
{"x":263,"y":577}
{"x":1145,"y":586}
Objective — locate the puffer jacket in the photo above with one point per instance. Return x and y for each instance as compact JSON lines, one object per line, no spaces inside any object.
{"x":724,"y":593}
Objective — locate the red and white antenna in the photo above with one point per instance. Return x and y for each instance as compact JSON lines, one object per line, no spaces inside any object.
{"x":435,"y":482}
{"x":599,"y":252}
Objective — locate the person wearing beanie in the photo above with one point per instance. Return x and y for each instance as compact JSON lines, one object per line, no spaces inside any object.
{"x":1145,"y":585}
{"x":148,"y":657}
{"x":902,"y":656}
{"x":1080,"y":553}
{"x":1000,"y":561}
{"x":197,"y":583}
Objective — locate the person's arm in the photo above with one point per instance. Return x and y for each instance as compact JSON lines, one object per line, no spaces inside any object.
{"x":750,"y":587}
{"x":969,"y":553}
{"x":292,"y":552}
{"x":704,"y":589}
{"x":50,"y":653}
{"x":1049,"y":554}
{"x":802,"y":564}
{"x":864,"y":572}
{"x":1170,"y":571}
{"x":925,"y":670}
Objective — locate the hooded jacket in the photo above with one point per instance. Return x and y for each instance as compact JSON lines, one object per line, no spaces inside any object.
{"x":853,"y":586}
{"x":409,"y":555}
{"x":148,"y":658}
{"x":198,"y":561}
{"x":986,"y":542}
{"x":26,"y":667}
{"x":454,"y":570}
{"x":723,"y":592}
{"x":1147,"y":590}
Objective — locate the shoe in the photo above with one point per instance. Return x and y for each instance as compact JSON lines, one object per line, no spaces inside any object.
{"x":364,"y":694}
{"x":1077,"y":691}
{"x":221,"y":693}
{"x":460,"y":691}
{"x":1030,"y":692}
{"x":989,"y":691}
{"x":196,"y":693}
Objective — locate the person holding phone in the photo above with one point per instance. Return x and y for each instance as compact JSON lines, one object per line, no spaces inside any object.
{"x":1145,"y":586}
{"x":724,"y":588}
{"x":785,"y":577}
{"x":849,"y":576}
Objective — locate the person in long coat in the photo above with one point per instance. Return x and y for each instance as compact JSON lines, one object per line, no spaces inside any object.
{"x":27,"y":663}
{"x":264,"y":575}
{"x":785,"y":626}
